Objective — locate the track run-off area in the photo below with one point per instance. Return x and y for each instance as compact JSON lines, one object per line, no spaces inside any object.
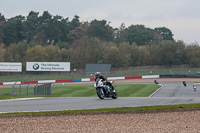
{"x":172,"y":92}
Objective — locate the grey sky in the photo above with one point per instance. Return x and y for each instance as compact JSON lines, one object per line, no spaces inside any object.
{"x":181,"y":16}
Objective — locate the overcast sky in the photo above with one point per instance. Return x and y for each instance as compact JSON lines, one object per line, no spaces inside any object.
{"x":182,"y":17}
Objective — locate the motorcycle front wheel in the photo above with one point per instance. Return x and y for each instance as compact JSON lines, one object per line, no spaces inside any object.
{"x":100,"y":93}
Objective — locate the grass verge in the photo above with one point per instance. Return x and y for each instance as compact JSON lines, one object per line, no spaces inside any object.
{"x":124,"y":109}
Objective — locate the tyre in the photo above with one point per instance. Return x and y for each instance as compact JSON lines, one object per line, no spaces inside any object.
{"x":100,"y":93}
{"x":114,"y":96}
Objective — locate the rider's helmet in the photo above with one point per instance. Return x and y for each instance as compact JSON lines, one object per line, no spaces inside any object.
{"x":97,"y":74}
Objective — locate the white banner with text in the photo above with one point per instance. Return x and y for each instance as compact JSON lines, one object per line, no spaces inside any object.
{"x":47,"y":66}
{"x":10,"y":67}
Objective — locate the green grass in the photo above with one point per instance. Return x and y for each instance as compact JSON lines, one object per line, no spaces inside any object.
{"x":136,"y":90}
{"x":186,"y":71}
{"x":144,"y":108}
{"x":126,"y":90}
{"x":8,"y":91}
{"x":73,"y":91}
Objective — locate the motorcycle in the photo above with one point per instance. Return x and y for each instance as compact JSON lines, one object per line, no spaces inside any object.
{"x":103,"y":90}
{"x":184,"y":83}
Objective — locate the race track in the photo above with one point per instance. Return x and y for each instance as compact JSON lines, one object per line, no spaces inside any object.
{"x":170,"y":94}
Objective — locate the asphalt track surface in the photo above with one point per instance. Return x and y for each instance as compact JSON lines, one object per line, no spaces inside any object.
{"x":170,"y":94}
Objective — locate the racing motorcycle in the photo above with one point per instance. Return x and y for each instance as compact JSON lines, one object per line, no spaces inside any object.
{"x":104,"y":90}
{"x":184,"y":83}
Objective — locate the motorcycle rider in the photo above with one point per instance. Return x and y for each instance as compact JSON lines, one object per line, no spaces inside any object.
{"x":98,"y":75}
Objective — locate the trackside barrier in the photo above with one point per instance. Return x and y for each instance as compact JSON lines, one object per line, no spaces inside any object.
{"x":11,"y":83}
{"x":85,"y":79}
{"x":115,"y":78}
{"x":134,"y":77}
{"x":79,"y":80}
{"x":29,"y":82}
{"x":76,"y":80}
{"x":173,"y":76}
{"x":64,"y":80}
{"x":46,"y":81}
{"x":92,"y":79}
{"x":150,"y":76}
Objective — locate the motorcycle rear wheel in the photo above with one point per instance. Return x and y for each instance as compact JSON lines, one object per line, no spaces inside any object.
{"x":114,"y":93}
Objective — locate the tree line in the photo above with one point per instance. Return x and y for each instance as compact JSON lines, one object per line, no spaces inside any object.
{"x":54,"y":38}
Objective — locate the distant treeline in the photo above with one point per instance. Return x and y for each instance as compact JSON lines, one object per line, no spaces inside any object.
{"x":54,"y":38}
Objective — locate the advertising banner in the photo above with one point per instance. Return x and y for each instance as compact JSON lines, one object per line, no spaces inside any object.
{"x":103,"y":68}
{"x":47,"y":66}
{"x":10,"y":67}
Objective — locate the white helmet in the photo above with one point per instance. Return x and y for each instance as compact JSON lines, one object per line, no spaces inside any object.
{"x":97,"y":74}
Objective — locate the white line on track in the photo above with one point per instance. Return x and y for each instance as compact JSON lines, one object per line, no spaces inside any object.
{"x":156,"y":90}
{"x":20,"y":99}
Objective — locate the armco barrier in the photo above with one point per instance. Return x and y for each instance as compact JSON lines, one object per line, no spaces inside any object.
{"x":46,"y":81}
{"x":92,"y":79}
{"x":150,"y":76}
{"x":79,"y":80}
{"x":173,"y":76}
{"x":134,"y":77}
{"x":115,"y":78}
{"x":29,"y":82}
{"x":11,"y":83}
{"x":76,"y":80}
{"x":64,"y":80}
{"x":85,"y":79}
